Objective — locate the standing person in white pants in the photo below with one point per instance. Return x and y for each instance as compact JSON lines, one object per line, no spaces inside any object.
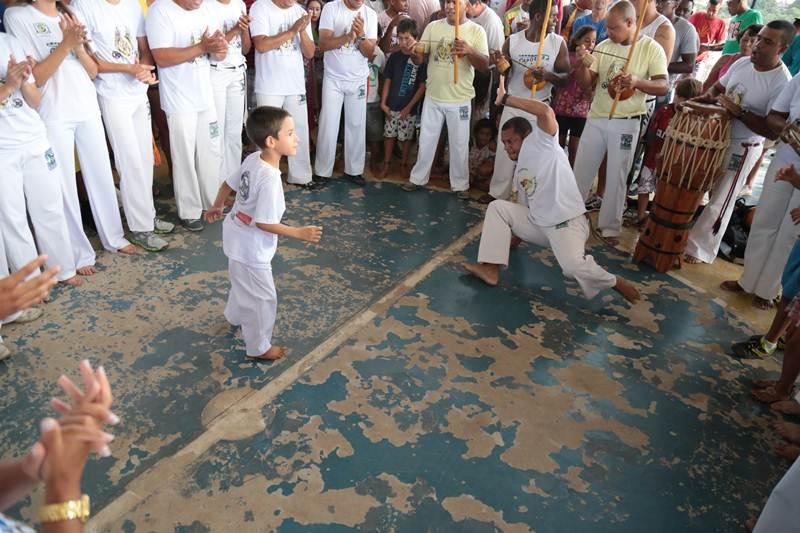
{"x":282,"y":37}
{"x":616,"y":137}
{"x":748,"y":91}
{"x":348,"y":34}
{"x":64,"y":71}
{"x":183,"y":34}
{"x":229,"y":80}
{"x":546,"y":207}
{"x":445,"y":100}
{"x":124,"y":71}
{"x":30,"y":171}
{"x":522,"y":49}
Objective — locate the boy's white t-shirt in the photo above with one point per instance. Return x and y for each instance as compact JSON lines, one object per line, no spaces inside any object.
{"x":20,"y":124}
{"x":375,"y":69}
{"x":114,"y":31}
{"x":227,"y":17}
{"x":347,"y":63}
{"x":186,"y":87}
{"x":268,"y":19}
{"x":259,"y":199}
{"x":69,"y":94}
{"x":788,"y":101}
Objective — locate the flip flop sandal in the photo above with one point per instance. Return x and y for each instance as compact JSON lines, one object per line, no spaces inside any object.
{"x":768,"y":395}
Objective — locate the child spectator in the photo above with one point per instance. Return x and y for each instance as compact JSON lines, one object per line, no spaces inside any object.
{"x":314,"y":70}
{"x":374,"y":113}
{"x":388,"y":22}
{"x":481,"y":155}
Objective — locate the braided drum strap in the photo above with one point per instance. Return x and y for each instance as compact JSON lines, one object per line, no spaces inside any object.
{"x":706,"y":152}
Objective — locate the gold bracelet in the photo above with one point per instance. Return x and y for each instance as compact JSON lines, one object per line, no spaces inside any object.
{"x":71,"y":510}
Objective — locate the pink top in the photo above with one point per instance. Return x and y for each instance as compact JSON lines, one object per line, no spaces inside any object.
{"x":571,"y":100}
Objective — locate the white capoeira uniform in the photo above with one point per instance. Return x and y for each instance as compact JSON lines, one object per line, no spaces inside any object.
{"x":114,"y":30}
{"x":70,"y":112}
{"x":229,"y":82}
{"x":188,"y":101}
{"x":252,"y":301}
{"x":615,"y":138}
{"x":344,"y":82}
{"x":756,"y":91}
{"x":30,"y":177}
{"x":287,"y":90}
{"x":547,"y":210}
{"x":780,"y":512}
{"x":523,"y":55}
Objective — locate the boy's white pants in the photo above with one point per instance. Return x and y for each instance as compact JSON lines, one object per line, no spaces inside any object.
{"x":567,"y":240}
{"x":353,"y":94}
{"x":129,"y":130}
{"x":252,"y":304}
{"x":230,"y":92}
{"x":194,"y":139}
{"x":299,"y":165}
{"x":31,"y":177}
{"x":617,"y":138}
{"x":90,"y":140}
{"x":457,"y":116}
{"x":503,"y":176}
{"x":739,"y":160}
{"x":773,"y":232}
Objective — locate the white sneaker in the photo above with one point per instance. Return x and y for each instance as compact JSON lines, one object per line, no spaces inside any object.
{"x":4,"y":351}
{"x":28,"y":315}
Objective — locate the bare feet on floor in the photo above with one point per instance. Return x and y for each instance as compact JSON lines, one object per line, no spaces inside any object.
{"x":128,"y":250}
{"x":761,"y":303}
{"x":627,"y":290}
{"x":692,"y":260}
{"x":87,"y":270}
{"x":769,"y":395}
{"x":786,"y":407}
{"x":384,"y":171}
{"x":764,"y":383}
{"x":489,"y":274}
{"x":74,"y":281}
{"x":788,"y":431}
{"x":787,"y":451}
{"x":750,"y":525}
{"x":273,"y":354}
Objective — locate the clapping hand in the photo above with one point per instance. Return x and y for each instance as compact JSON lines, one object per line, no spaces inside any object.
{"x":74,"y":33}
{"x":17,"y":73}
{"x":17,"y":292}
{"x":214,"y":43}
{"x":243,"y":23}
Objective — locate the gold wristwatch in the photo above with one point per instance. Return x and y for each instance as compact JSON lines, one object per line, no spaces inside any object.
{"x":71,"y":510}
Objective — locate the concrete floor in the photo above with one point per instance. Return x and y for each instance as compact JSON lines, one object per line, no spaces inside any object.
{"x":414,"y":398}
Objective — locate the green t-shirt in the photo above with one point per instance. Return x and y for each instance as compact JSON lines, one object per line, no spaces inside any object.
{"x":737,"y":25}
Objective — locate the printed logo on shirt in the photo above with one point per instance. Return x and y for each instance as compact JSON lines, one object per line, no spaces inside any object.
{"x":736,"y":93}
{"x":529,"y":60}
{"x":243,"y":83}
{"x":301,"y":99}
{"x":41,"y":27}
{"x":626,"y":141}
{"x":463,"y":112}
{"x":244,"y":186}
{"x":227,"y":26}
{"x":123,"y":45}
{"x":244,"y":218}
{"x":528,"y":184}
{"x":615,"y":68}
{"x":213,"y":129}
{"x":736,"y":162}
{"x":362,"y":91}
{"x":50,"y":159}
{"x":444,"y":52}
{"x":290,"y":46}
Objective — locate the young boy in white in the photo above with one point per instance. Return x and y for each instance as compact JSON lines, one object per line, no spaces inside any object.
{"x":282,"y":37}
{"x":124,"y":71}
{"x":228,"y":80}
{"x":348,"y":33}
{"x":250,"y":231}
{"x":548,"y":209}
{"x":182,"y":35}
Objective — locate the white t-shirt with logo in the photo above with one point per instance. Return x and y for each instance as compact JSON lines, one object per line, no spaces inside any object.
{"x":788,"y":101}
{"x":227,"y":17}
{"x":269,"y":20}
{"x":185,"y":87}
{"x":20,"y":124}
{"x":543,"y":181}
{"x":375,"y":69}
{"x":69,"y":94}
{"x":259,"y":200}
{"x":347,"y":63}
{"x":114,"y":31}
{"x":754,"y":91}
{"x":523,"y":54}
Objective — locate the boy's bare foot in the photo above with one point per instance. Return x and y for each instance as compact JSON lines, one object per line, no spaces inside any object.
{"x":769,"y":395}
{"x":692,"y":260}
{"x":273,"y":354}
{"x":74,"y":281}
{"x":128,"y":250}
{"x":384,"y":170}
{"x":787,"y":451}
{"x":627,"y":290}
{"x":86,"y":270}
{"x":764,"y":383}
{"x":786,"y":407}
{"x":515,"y":242}
{"x":788,"y":431}
{"x":761,"y":303}
{"x":489,"y":274}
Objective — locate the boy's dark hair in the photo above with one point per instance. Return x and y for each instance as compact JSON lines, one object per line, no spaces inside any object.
{"x":752,"y":30}
{"x":785,"y":27}
{"x":688,"y":88}
{"x":538,"y":6}
{"x":520,"y":125}
{"x":484,"y":123}
{"x":263,"y":122}
{"x":580,"y":34}
{"x":407,"y":26}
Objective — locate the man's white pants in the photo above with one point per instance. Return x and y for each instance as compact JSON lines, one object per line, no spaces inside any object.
{"x":567,"y":240}
{"x":32,"y":174}
{"x":128,"y":128}
{"x":194,"y":140}
{"x":230,"y":93}
{"x":457,"y":116}
{"x":739,"y":160}
{"x":299,"y":165}
{"x":780,"y":512}
{"x":773,"y":232}
{"x":616,"y":138}
{"x":90,"y":140}
{"x":252,"y":304}
{"x":353,"y":94}
{"x":503,"y":176}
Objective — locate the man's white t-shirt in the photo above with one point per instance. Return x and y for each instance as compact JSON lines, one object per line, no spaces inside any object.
{"x":544,"y":181}
{"x":20,"y":124}
{"x":227,"y":17}
{"x":186,"y":87}
{"x":69,"y":94}
{"x":347,"y":63}
{"x":493,"y":26}
{"x":754,"y":91}
{"x":259,"y":200}
{"x":788,"y":101}
{"x":269,"y":20}
{"x":114,"y":31}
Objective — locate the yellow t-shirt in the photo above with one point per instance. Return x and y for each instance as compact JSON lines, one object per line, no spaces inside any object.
{"x":438,"y":39}
{"x":647,"y":62}
{"x":143,"y":3}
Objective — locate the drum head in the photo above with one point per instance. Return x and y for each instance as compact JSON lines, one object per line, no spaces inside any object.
{"x":704,"y":109}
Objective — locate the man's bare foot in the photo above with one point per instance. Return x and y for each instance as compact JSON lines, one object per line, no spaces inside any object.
{"x":787,"y":451}
{"x":786,"y":407}
{"x":627,"y":290}
{"x":788,"y":431}
{"x":128,"y":250}
{"x":74,"y":281}
{"x":87,"y":270}
{"x":750,"y":524}
{"x":384,"y":170}
{"x":769,"y":395}
{"x":731,"y":285}
{"x":489,"y":274}
{"x":273,"y":354}
{"x":515,"y":242}
{"x":692,"y":260}
{"x":609,"y":240}
{"x":761,"y":303}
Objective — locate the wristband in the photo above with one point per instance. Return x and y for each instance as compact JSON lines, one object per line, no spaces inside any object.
{"x":71,"y":510}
